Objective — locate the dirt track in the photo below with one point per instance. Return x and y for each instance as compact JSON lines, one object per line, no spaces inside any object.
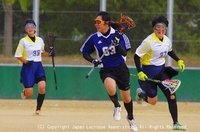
{"x":92,"y":116}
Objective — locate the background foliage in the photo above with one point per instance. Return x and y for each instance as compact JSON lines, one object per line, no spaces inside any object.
{"x":72,"y":21}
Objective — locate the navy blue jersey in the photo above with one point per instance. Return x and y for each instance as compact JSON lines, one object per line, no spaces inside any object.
{"x":99,"y":43}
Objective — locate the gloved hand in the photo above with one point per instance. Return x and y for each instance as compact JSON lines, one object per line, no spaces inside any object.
{"x":181,"y":65}
{"x":115,"y":41}
{"x":142,"y":76}
{"x":51,"y":52}
{"x":29,"y":63}
{"x":96,"y":62}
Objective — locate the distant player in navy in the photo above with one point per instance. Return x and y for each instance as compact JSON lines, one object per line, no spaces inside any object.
{"x":113,"y":71}
{"x":29,"y":52}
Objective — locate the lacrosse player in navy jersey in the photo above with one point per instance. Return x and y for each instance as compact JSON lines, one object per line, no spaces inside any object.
{"x":29,"y":52}
{"x":151,"y":53}
{"x":114,"y":70}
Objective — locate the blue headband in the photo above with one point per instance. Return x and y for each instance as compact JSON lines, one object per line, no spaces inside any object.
{"x":30,"y":24}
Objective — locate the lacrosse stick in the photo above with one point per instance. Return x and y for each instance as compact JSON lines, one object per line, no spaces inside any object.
{"x":50,"y":38}
{"x":124,"y":24}
{"x":171,"y":84}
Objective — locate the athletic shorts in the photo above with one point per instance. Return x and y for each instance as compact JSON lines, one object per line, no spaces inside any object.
{"x":120,"y":74}
{"x":150,"y":88}
{"x":31,"y":75}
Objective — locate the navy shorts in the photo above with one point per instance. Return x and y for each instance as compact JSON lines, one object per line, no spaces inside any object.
{"x":120,"y":74}
{"x":31,"y":74}
{"x":150,"y":88}
{"x":159,"y":73}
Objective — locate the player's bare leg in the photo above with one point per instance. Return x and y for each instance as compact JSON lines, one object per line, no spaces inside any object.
{"x":110,"y":85}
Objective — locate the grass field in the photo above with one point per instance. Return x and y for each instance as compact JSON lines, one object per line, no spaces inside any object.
{"x":92,"y":116}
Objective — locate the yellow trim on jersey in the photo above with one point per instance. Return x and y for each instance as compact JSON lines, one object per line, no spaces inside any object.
{"x":146,"y":50}
{"x":146,"y":58}
{"x":30,"y":50}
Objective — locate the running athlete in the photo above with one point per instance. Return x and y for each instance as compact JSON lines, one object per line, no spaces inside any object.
{"x":151,"y":53}
{"x":29,"y":52}
{"x":114,"y":70}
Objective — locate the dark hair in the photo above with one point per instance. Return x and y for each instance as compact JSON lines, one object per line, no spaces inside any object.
{"x":105,"y":15}
{"x":160,"y":19}
{"x":29,"y":21}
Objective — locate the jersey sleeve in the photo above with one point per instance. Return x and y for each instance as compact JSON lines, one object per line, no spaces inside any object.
{"x":143,"y":48}
{"x":125,"y":42}
{"x":20,"y":49}
{"x":43,"y":45}
{"x":88,"y":47}
{"x":170,"y":46}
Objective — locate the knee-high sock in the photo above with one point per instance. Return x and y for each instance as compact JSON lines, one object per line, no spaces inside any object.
{"x":129,"y":109}
{"x":173,"y":109}
{"x":173,"y":112}
{"x":114,"y":99}
{"x":40,"y":100}
{"x":172,"y":105}
{"x":143,"y":96}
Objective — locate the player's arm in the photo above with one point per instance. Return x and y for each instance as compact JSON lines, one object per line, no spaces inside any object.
{"x":121,"y":50}
{"x":180,"y":62}
{"x":45,"y":54}
{"x":137,"y":63}
{"x":173,"y":55}
{"x":22,"y":59}
{"x":88,"y":57}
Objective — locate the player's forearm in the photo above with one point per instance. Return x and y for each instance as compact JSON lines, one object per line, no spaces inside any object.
{"x":137,"y":63}
{"x":22,"y":59}
{"x":45,"y":54}
{"x":88,"y":57}
{"x":121,"y":50}
{"x":173,"y":55}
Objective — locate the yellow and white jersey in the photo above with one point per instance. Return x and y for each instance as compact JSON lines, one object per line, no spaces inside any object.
{"x":152,"y":51}
{"x":30,"y":50}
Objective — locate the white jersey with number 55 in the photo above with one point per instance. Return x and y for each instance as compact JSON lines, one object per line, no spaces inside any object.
{"x":30,"y":50}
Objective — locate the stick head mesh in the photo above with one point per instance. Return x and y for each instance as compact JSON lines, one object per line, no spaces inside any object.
{"x":172,"y":85}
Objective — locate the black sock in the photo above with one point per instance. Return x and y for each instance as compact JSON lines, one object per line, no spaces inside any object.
{"x":173,"y":110}
{"x":143,"y":96}
{"x":114,"y":99}
{"x":40,"y":100}
{"x":129,"y":109}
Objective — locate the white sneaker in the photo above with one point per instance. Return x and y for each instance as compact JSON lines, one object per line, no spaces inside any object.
{"x":22,"y":94}
{"x":133,"y":125}
{"x":137,"y":98}
{"x":117,"y":113}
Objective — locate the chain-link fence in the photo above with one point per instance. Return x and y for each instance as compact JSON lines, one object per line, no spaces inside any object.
{"x":73,"y":27}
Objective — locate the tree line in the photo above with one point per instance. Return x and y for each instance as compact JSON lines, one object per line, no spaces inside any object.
{"x":73,"y":20}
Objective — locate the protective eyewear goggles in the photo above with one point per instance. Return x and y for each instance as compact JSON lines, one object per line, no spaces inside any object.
{"x":161,"y":26}
{"x":99,"y":21}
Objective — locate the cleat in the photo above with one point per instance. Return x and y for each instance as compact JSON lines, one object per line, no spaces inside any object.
{"x":117,"y":113}
{"x":23,"y":94}
{"x":137,"y":98}
{"x":178,"y":126}
{"x":38,"y":112}
{"x":132,"y":124}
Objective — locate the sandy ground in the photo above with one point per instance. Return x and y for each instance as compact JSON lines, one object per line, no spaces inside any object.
{"x":92,"y":116}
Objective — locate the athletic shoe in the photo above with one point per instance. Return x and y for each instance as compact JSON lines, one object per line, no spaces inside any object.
{"x":117,"y":113}
{"x":22,"y":94}
{"x":178,"y":126}
{"x":137,"y":98}
{"x":132,"y":124}
{"x":38,"y":112}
